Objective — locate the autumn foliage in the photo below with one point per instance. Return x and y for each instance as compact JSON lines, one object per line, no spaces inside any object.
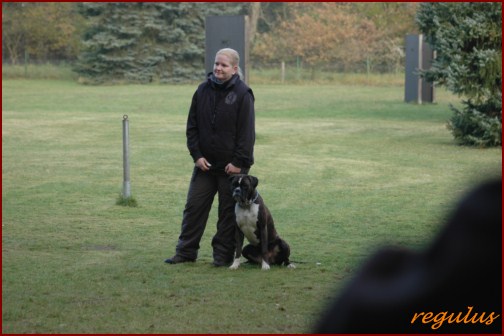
{"x":124,"y":39}
{"x":345,"y":36}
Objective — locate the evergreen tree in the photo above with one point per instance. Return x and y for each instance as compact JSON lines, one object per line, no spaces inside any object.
{"x":145,"y":41}
{"x":468,"y":39}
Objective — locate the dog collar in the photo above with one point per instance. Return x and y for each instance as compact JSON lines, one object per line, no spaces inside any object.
{"x":256,"y":197}
{"x":252,"y":201}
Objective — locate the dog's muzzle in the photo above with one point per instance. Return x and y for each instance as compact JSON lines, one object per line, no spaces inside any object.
{"x":237,"y":194}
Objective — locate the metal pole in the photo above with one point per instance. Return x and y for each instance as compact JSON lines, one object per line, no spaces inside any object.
{"x":126,"y":182}
{"x":283,"y":72}
{"x":26,"y":63}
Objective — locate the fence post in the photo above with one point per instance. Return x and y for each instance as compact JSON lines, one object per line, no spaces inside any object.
{"x":126,"y":172}
{"x":26,"y":63}
{"x":283,"y":72}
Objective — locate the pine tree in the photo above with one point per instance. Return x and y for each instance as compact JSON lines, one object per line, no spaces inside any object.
{"x":468,"y":40}
{"x":145,"y":41}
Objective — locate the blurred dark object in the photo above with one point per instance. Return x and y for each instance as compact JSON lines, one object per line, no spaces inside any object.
{"x":462,"y":268}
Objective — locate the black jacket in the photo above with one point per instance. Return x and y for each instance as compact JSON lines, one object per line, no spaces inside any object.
{"x":221,"y":124}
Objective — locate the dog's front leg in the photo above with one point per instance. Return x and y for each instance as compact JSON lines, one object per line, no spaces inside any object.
{"x":239,"y":244}
{"x":264,"y":249}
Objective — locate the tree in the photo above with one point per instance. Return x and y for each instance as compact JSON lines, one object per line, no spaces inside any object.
{"x":254,"y":12}
{"x":139,"y":42}
{"x":145,"y":42}
{"x":13,"y":31}
{"x":468,"y":39}
{"x":44,"y":31}
{"x":346,"y":36}
{"x":392,"y":21}
{"x":316,"y":34}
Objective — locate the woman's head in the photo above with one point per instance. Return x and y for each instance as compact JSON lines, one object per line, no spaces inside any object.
{"x":226,"y":64}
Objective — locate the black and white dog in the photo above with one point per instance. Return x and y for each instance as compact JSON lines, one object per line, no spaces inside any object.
{"x":256,"y":223}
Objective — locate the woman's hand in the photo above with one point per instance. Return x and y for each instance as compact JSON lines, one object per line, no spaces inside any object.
{"x":203,"y":164}
{"x":231,"y":169}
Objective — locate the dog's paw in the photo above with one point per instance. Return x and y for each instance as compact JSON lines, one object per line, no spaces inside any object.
{"x":235,"y":265}
{"x":265,"y":266}
{"x":291,"y":266}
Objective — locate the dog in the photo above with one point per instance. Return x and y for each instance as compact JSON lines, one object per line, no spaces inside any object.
{"x":256,"y":224}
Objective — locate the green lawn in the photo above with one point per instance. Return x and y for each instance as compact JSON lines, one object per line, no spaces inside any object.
{"x":344,"y":169}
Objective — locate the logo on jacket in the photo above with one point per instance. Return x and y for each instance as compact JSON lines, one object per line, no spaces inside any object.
{"x":230,"y":98}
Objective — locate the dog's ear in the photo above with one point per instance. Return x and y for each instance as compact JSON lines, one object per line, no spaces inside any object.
{"x":255,"y":181}
{"x":231,"y":178}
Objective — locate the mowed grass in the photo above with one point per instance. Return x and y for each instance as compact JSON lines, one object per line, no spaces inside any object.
{"x":344,"y":170}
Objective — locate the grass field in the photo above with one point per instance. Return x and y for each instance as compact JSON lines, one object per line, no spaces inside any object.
{"x":343,"y":168}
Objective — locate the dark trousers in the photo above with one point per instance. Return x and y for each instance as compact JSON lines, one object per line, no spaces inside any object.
{"x":202,"y":190}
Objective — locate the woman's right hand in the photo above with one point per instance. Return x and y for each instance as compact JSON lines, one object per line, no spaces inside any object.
{"x":203,"y":164}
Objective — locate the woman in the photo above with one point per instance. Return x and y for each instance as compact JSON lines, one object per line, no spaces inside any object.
{"x":220,"y":138}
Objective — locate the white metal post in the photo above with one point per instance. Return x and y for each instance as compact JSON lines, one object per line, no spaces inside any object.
{"x":126,"y":171}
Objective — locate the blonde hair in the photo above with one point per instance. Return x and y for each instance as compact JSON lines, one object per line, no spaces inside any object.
{"x":234,"y":58}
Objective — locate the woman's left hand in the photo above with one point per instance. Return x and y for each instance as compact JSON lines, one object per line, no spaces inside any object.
{"x":231,"y":169}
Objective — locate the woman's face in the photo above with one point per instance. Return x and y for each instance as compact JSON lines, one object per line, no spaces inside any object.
{"x":223,"y":70}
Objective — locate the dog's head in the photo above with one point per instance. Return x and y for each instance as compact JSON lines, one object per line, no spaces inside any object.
{"x":243,"y":188}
